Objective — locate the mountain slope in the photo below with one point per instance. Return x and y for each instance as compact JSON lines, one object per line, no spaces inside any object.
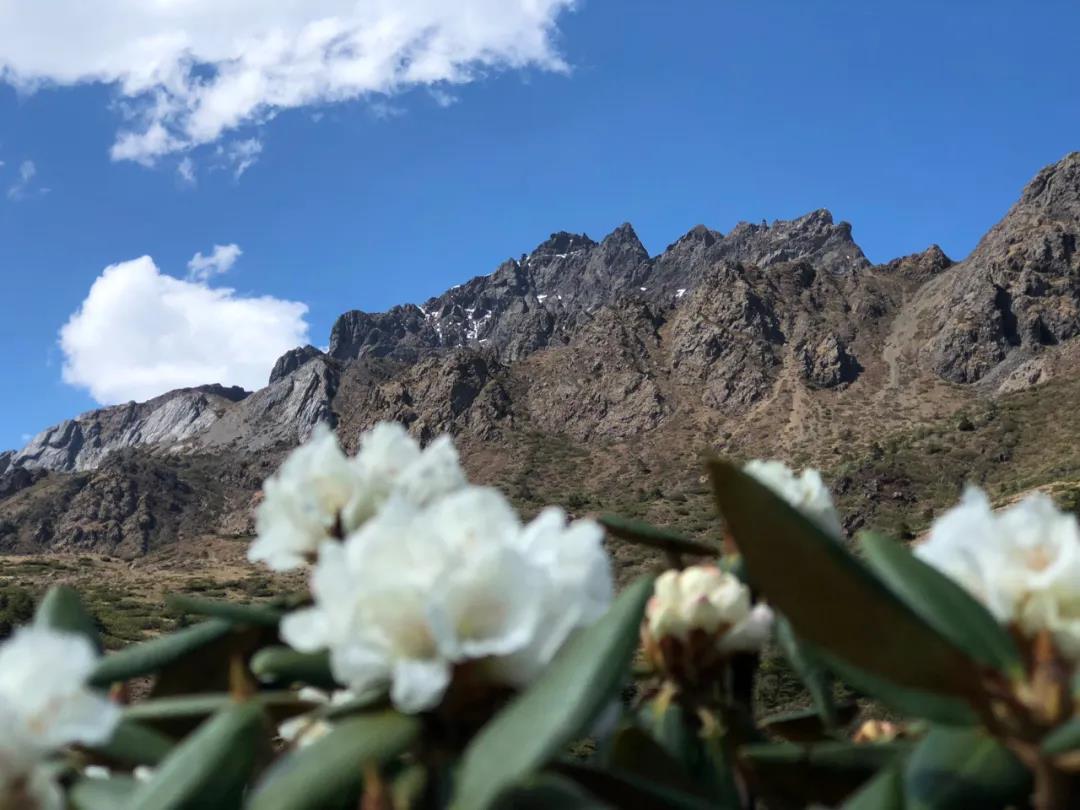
{"x":586,"y":372}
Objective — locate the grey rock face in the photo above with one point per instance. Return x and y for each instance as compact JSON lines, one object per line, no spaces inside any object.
{"x":168,"y":420}
{"x":5,"y":460}
{"x":291,"y":361}
{"x":1019,"y":291}
{"x":283,"y":413}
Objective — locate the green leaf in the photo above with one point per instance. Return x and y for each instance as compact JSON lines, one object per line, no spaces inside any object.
{"x":1063,"y":739}
{"x":947,"y":711}
{"x":633,"y":750}
{"x":62,"y":609}
{"x":547,"y":792}
{"x":884,"y":792}
{"x":943,"y":604}
{"x":622,"y":789}
{"x":954,"y":768}
{"x":204,"y":705}
{"x":703,"y":760}
{"x":148,"y":657}
{"x":558,"y":707}
{"x":811,"y":670}
{"x":284,"y":665}
{"x":642,"y":534}
{"x":806,"y":725}
{"x":825,"y":772}
{"x":135,"y":744}
{"x":318,"y":774}
{"x":831,"y":598}
{"x":101,"y":794}
{"x":210,"y":768}
{"x":259,"y":615}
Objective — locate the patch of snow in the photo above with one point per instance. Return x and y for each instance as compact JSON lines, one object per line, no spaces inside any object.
{"x":541,"y":297}
{"x":679,"y":293}
{"x":643,"y":289}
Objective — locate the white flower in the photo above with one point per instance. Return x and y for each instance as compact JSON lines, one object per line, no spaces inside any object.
{"x":320,"y":494}
{"x":806,"y":492}
{"x":390,"y":462}
{"x":303,"y":502}
{"x":45,"y":705}
{"x":705,"y":599}
{"x":1023,"y":563}
{"x":580,"y":586}
{"x":416,"y":592}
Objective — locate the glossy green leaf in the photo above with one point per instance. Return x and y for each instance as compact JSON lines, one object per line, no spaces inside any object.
{"x":831,"y":598}
{"x":643,"y":534}
{"x":315,"y":776}
{"x":966,"y":768}
{"x":826,"y":772}
{"x":558,"y":707}
{"x":148,"y":657}
{"x":101,"y":794}
{"x":884,"y":792}
{"x":260,"y":615}
{"x":62,"y":609}
{"x":284,"y":665}
{"x":810,"y":669}
{"x":209,"y":769}
{"x":135,"y":744}
{"x":1063,"y":739}
{"x":913,"y":703}
{"x":943,"y":604}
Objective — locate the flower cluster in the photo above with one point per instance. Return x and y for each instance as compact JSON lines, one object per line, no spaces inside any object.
{"x":44,"y":706}
{"x":319,"y":493}
{"x":1023,"y":563}
{"x":432,"y":574}
{"x":806,"y":492}
{"x":700,"y":616}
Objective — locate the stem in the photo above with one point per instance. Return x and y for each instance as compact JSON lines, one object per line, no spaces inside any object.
{"x":1054,"y":789}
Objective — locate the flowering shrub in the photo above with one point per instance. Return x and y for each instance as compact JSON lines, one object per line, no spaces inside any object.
{"x":449,"y":653}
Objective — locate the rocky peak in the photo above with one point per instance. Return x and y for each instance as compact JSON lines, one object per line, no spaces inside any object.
{"x":1019,"y":291}
{"x":1056,"y":189}
{"x":562,"y":244}
{"x":919,"y":266}
{"x":292,"y":360}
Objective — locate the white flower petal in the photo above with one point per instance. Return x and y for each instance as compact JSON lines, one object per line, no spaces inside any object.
{"x":419,"y":685}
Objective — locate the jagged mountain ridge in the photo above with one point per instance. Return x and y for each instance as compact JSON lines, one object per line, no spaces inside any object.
{"x":747,"y":339}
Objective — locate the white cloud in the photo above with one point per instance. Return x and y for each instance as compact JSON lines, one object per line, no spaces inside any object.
{"x":186,"y":169}
{"x":140,"y":333}
{"x":20,"y":188}
{"x":191,"y":70}
{"x":220,"y":260}
{"x":241,"y":155}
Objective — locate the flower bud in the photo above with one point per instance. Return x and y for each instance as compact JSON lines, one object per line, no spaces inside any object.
{"x":699,"y":617}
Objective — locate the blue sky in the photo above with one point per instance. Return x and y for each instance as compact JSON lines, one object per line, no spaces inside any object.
{"x":918,"y":123}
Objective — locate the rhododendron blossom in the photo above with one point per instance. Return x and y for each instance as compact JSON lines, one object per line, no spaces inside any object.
{"x":320,"y":494}
{"x":45,"y":705}
{"x":417,"y":591}
{"x":1023,"y":563}
{"x":806,"y":492}
{"x":707,"y":600}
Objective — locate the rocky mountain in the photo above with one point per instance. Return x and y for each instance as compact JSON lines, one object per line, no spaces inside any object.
{"x":589,"y":366}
